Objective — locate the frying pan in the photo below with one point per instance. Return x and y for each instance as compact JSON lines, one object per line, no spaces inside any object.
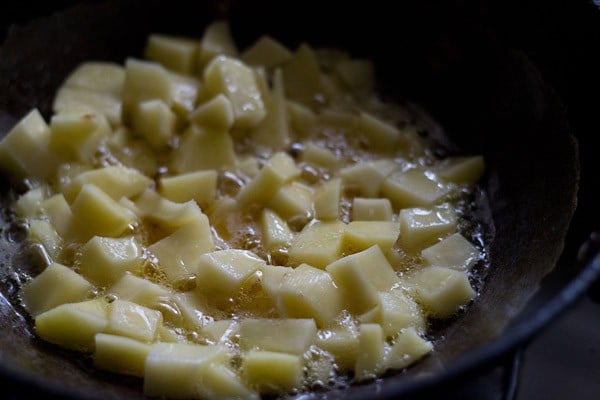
{"x":489,"y":99}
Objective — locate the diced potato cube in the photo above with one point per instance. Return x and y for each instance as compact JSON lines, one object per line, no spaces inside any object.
{"x":278,"y":170}
{"x":216,"y":40}
{"x":218,"y":381}
{"x":168,"y":214}
{"x":73,"y":325}
{"x":200,"y":186}
{"x":441,"y":291}
{"x":273,"y":131}
{"x":267,"y":52}
{"x":308,"y":292}
{"x":76,"y":135}
{"x":175,"y":53}
{"x":368,"y":177}
{"x":216,"y":113}
{"x":154,"y":121}
{"x":302,"y":76}
{"x":370,"y":359}
{"x":276,"y":233}
{"x":202,"y":148}
{"x":396,"y":311}
{"x":235,"y":80}
{"x":379,"y":134}
{"x":461,"y":169}
{"x":192,"y":311}
{"x":133,"y":320}
{"x":186,"y":91}
{"x":43,"y":232}
{"x":357,"y":74}
{"x":342,"y":343}
{"x":56,"y":285}
{"x":96,"y":213}
{"x":422,"y":227}
{"x":174,"y":370}
{"x":320,"y":156}
{"x":453,"y":251}
{"x":221,"y":273}
{"x":294,"y":199}
{"x":272,"y":372}
{"x":98,"y":76}
{"x":145,"y":80}
{"x":272,"y":278}
{"x":327,"y":200}
{"x":364,"y":209}
{"x":220,"y":331}
{"x":413,"y":188}
{"x":338,"y":120}
{"x":104,"y":260}
{"x":361,"y":276}
{"x":69,"y":99}
{"x":25,"y":151}
{"x":293,"y":336}
{"x":58,"y":211}
{"x":408,"y":348}
{"x":302,"y":118}
{"x":120,"y":354}
{"x":248,"y":166}
{"x":29,"y":203}
{"x":138,"y":290}
{"x":178,"y":253}
{"x":360,"y":235}
{"x":318,"y":244}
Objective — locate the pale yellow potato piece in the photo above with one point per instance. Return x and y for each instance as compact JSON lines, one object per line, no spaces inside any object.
{"x":357,"y":74}
{"x":235,"y":80}
{"x":342,"y":343}
{"x":361,"y":276}
{"x":221,"y":331}
{"x":453,"y":251}
{"x":216,"y":40}
{"x":380,"y":135}
{"x":273,"y":131}
{"x":441,"y":291}
{"x":25,"y":150}
{"x":120,"y":354}
{"x":302,"y":118}
{"x":266,"y":51}
{"x":73,"y":325}
{"x":422,"y":227}
{"x":360,"y":235}
{"x":272,"y":279}
{"x":145,"y":80}
{"x":138,"y":290}
{"x":167,"y":213}
{"x":200,"y":186}
{"x":173,"y":52}
{"x":276,"y":233}
{"x":133,"y":320}
{"x":368,"y":177}
{"x":413,"y":188}
{"x":217,"y":381}
{"x":461,"y":169}
{"x":395,"y":311}
{"x":408,"y":348}
{"x":302,"y":76}
{"x":216,"y":113}
{"x":371,"y":352}
{"x":365,"y":209}
{"x":56,"y":285}
{"x":202,"y":149}
{"x":293,"y":199}
{"x":320,"y":156}
{"x":69,"y":99}
{"x":28,"y":204}
{"x":272,"y":372}
{"x":289,"y":335}
{"x":97,"y":76}
{"x":96,"y":213}
{"x":186,"y":90}
{"x":154,"y":121}
{"x":43,"y":232}
{"x":185,"y":309}
{"x":104,"y":260}
{"x":59,"y":212}
{"x":318,"y":244}
{"x":327,"y":200}
{"x":75,"y":136}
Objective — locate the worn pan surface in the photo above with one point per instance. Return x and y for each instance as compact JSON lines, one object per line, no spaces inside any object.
{"x":490,"y":100}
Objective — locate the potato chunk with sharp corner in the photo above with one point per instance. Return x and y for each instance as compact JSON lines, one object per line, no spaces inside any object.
{"x":276,"y":233}
{"x":293,"y":336}
{"x":364,"y":209}
{"x":292,"y":200}
{"x":273,"y":131}
{"x":169,"y":214}
{"x":422,"y":227}
{"x":441,"y":291}
{"x":59,"y":213}
{"x":461,"y":169}
{"x":186,"y":90}
{"x":154,"y":121}
{"x":138,"y":290}
{"x":174,"y":370}
{"x":319,"y":155}
{"x":302,"y":76}
{"x":413,"y":188}
{"x":216,"y":113}
{"x":200,"y":186}
{"x":368,"y":177}
{"x":361,"y":276}
{"x":76,"y":135}
{"x":453,"y":251}
{"x":318,"y":244}
{"x":133,"y":320}
{"x":120,"y":354}
{"x":360,"y":235}
{"x":371,"y":352}
{"x":104,"y":260}
{"x":272,"y":372}
{"x":235,"y":80}
{"x":267,"y":52}
{"x":145,"y":80}
{"x":29,"y":203}
{"x":216,"y":40}
{"x":380,"y":135}
{"x":395,"y":311}
{"x":202,"y":149}
{"x":192,"y":310}
{"x":175,"y":53}
{"x":70,"y":99}
{"x":327,"y":200}
{"x":218,"y":381}
{"x":408,"y":347}
{"x":302,"y":118}
{"x":43,"y":232}
{"x":342,"y":343}
{"x":98,"y":76}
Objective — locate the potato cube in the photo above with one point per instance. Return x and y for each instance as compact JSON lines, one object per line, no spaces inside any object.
{"x":371,"y":352}
{"x":218,"y":381}
{"x":320,"y":156}
{"x":28,"y":204}
{"x":75,"y":136}
{"x":368,"y":177}
{"x":96,"y":213}
{"x":174,"y":370}
{"x":364,"y":209}
{"x":327,"y":200}
{"x":302,"y":76}
{"x":25,"y":151}
{"x":168,"y":214}
{"x":191,"y":310}
{"x":276,"y":233}
{"x":396,"y":311}
{"x":104,"y":260}
{"x":202,"y":148}
{"x":318,"y":244}
{"x":220,"y":331}
{"x":413,"y":188}
{"x":120,"y":354}
{"x":293,"y":336}
{"x":272,"y":372}
{"x":174,"y":53}
{"x":235,"y":80}
{"x":441,"y":291}
{"x":267,"y":52}
{"x":408,"y":348}
{"x":422,"y":227}
{"x":357,"y":74}
{"x":360,"y":235}
{"x":145,"y":80}
{"x":342,"y":343}
{"x":453,"y":251}
{"x":293,"y":199}
{"x":133,"y":320}
{"x":461,"y":169}
{"x":302,"y":118}
{"x":186,"y":90}
{"x":59,"y":212}
{"x":154,"y":121}
{"x":97,"y":76}
{"x":73,"y":325}
{"x":361,"y":276}
{"x":43,"y":232}
{"x":69,"y":99}
{"x":216,"y":113}
{"x":273,"y":131}
{"x":56,"y":285}
{"x":380,"y":135}
{"x":138,"y":290}
{"x":216,"y":40}
{"x":200,"y":186}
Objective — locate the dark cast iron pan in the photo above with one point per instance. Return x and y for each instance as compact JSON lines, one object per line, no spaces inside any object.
{"x":490,"y":99}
